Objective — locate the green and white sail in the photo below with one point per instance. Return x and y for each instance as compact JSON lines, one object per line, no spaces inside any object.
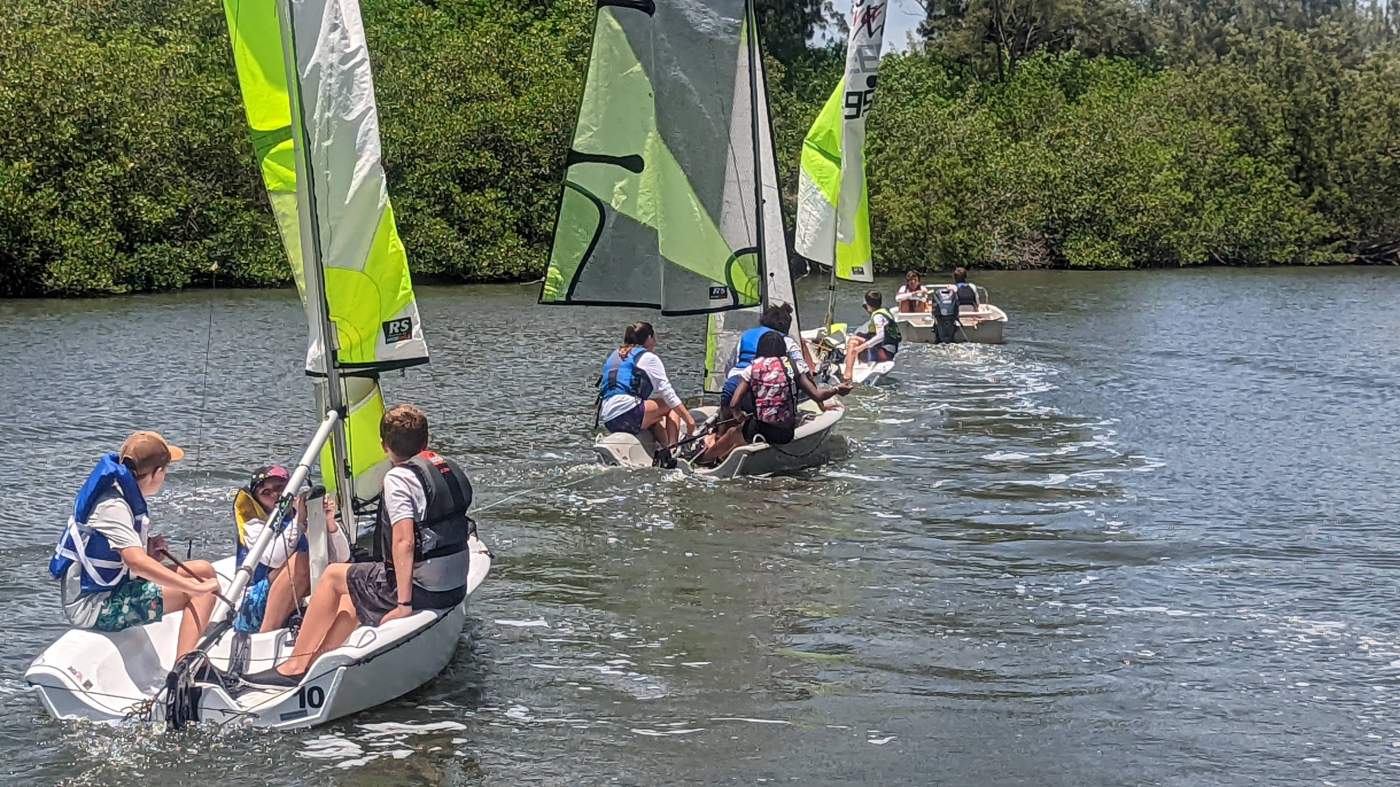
{"x":751,"y":127}
{"x":648,"y":216}
{"x":833,"y":206}
{"x":303,"y":69}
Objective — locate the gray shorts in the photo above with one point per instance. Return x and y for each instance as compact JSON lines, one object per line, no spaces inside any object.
{"x":374,"y":595}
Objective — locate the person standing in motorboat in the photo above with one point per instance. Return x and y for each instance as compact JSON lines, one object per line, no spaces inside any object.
{"x":912,"y":298}
{"x":878,"y":341}
{"x":106,"y":558}
{"x":420,"y":549}
{"x":634,"y":393}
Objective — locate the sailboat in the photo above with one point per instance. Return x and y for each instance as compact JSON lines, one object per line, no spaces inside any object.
{"x":670,"y":199}
{"x":833,"y":203}
{"x":304,"y":73}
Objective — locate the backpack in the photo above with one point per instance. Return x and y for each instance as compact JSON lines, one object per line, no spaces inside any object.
{"x":775,"y":401}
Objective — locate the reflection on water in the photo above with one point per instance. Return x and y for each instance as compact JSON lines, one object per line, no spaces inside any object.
{"x":1151,"y":539}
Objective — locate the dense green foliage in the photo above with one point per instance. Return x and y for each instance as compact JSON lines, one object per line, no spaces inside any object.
{"x":1087,"y":133}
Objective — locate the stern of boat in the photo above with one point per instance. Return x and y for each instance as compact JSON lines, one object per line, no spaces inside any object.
{"x":810,"y":446}
{"x":620,"y":449}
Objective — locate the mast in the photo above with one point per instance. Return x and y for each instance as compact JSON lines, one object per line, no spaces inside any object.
{"x":831,"y":294}
{"x":754,"y":109}
{"x":330,"y":388}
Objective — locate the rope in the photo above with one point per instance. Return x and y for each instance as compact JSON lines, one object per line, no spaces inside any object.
{"x":208,"y":344}
{"x":522,"y":492}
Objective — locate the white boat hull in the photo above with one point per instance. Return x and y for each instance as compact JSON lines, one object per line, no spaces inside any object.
{"x":984,"y":325}
{"x":99,"y":676}
{"x":863,"y":373}
{"x":811,"y":445}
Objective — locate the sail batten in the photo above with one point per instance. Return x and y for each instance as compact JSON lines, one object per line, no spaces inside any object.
{"x":833,"y":206}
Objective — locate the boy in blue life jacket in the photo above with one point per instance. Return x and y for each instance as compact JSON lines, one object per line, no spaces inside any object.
{"x":105,"y":559}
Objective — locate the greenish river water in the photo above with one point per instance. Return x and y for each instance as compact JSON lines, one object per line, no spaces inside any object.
{"x":1151,"y":540}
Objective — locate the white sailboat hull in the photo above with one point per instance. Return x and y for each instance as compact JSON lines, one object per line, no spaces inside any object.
{"x":99,"y":676}
{"x":811,"y":445}
{"x":984,"y":325}
{"x":863,"y":373}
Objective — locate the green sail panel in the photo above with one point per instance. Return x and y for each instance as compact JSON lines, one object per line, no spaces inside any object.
{"x":364,"y":404}
{"x":833,"y":203}
{"x":303,"y":69}
{"x":646,"y":218}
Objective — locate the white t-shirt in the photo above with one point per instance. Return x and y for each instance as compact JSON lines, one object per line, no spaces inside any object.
{"x":619,"y":404}
{"x":112,"y":518}
{"x":404,"y":496}
{"x":794,"y":353}
{"x":878,"y":338}
{"x":906,"y":294}
{"x":284,"y":546}
{"x":280,"y":548}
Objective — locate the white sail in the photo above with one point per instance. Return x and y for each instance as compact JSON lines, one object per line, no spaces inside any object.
{"x":751,"y":175}
{"x":833,"y":214}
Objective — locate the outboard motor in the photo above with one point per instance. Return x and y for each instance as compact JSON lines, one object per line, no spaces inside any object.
{"x":945,"y":313}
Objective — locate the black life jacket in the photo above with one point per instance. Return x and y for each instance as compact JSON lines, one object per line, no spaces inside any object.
{"x":440,"y":557}
{"x":967,"y":294}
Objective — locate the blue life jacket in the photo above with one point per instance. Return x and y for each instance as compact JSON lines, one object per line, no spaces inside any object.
{"x":102,"y":566}
{"x":748,"y":346}
{"x":621,"y":376}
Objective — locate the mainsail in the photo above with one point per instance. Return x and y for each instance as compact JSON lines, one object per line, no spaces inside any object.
{"x":833,"y":211}
{"x":303,"y":69}
{"x":751,"y":125}
{"x":649,"y":215}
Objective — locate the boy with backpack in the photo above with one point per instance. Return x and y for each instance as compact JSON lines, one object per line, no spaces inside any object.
{"x":772,"y":381}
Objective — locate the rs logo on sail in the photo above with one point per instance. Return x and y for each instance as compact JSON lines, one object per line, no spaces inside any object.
{"x":398,"y":330}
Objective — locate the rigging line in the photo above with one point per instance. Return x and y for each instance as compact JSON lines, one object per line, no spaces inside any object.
{"x":208,"y":344}
{"x":522,"y":492}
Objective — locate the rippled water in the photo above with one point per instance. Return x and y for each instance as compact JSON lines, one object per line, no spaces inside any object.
{"x":1151,"y":540}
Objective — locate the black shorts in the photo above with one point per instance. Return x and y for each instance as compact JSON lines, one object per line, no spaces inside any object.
{"x":374,"y":595}
{"x":629,"y":422}
{"x":772,"y":433}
